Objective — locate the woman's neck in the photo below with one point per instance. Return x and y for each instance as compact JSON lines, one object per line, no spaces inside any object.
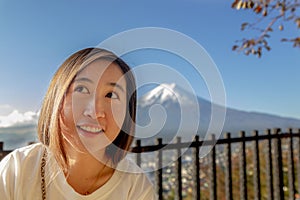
{"x":85,"y":163}
{"x":86,"y":173}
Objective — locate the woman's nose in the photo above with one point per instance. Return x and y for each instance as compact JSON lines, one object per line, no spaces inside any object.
{"x":93,"y":112}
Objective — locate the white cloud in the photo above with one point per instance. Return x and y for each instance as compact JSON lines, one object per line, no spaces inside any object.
{"x":15,"y":118}
{"x":5,"y":109}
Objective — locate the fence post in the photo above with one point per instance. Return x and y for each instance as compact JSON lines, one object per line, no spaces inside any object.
{"x":291,"y":168}
{"x":269,"y":166}
{"x":242,"y":166}
{"x":159,"y":171}
{"x":196,"y":174}
{"x":1,"y":151}
{"x":278,"y":171}
{"x":298,"y":161}
{"x":213,"y":171}
{"x":256,"y":163}
{"x":178,"y":185}
{"x":228,"y":172}
{"x":138,"y":154}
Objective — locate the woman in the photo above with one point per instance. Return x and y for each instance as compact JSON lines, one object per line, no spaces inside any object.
{"x":85,"y":129}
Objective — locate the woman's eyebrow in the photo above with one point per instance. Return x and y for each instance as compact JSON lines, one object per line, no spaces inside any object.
{"x":84,"y":79}
{"x":116,"y":85}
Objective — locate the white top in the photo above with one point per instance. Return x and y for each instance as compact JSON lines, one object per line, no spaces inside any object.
{"x":20,"y":179}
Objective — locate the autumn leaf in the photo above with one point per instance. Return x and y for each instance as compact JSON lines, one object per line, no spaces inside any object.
{"x":258,"y":9}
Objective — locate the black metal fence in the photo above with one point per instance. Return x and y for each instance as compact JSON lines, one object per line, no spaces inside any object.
{"x":259,"y":165}
{"x":256,"y":166}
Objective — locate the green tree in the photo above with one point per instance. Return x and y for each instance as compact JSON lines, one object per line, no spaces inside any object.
{"x":273,"y":14}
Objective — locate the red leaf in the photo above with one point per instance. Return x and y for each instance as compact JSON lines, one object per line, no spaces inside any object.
{"x":258,"y":9}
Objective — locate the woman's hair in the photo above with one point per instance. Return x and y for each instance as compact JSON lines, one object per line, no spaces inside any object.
{"x":49,"y":128}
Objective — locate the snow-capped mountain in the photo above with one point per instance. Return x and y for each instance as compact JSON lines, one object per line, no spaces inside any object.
{"x":168,"y":107}
{"x":166,"y":93}
{"x":167,"y":110}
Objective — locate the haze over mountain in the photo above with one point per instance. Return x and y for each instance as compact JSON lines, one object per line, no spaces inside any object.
{"x":166,"y":111}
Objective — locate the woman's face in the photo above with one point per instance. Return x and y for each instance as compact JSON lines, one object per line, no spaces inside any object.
{"x":94,"y":108}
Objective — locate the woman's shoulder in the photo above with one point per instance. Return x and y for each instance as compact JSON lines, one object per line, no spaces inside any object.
{"x":29,"y":149}
{"x":20,"y":172}
{"x":26,"y":152}
{"x":21,"y":161}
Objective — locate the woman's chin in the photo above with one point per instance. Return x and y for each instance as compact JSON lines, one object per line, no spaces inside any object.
{"x":94,"y":143}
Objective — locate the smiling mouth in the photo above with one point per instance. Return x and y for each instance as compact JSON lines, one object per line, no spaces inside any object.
{"x":90,"y":129}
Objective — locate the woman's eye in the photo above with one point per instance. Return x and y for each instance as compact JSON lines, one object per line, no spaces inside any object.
{"x":112,"y":95}
{"x":81,"y":89}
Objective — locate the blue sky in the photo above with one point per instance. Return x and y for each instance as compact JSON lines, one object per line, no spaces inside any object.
{"x":36,"y":37}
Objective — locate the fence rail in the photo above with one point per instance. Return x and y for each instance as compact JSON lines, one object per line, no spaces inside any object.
{"x":273,"y":156}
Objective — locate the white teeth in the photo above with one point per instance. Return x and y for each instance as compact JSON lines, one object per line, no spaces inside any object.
{"x":91,"y":129}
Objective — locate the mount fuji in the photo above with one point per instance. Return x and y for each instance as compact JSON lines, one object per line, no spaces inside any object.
{"x":169,"y":110}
